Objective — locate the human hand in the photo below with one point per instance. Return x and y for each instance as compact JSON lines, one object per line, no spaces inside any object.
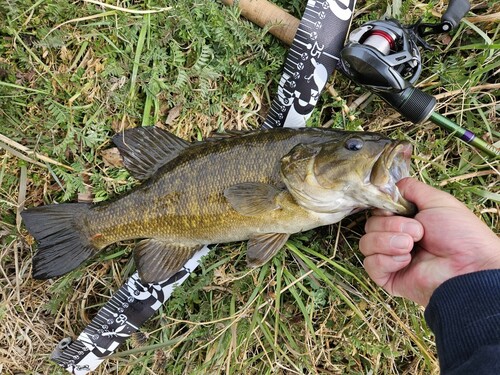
{"x":449,"y":241}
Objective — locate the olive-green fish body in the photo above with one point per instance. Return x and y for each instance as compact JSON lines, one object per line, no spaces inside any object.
{"x":261,"y":186}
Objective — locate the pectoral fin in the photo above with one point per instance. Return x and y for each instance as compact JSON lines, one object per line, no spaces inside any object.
{"x":158,"y":261}
{"x":252,"y":198}
{"x":262,"y":248}
{"x":146,"y":149}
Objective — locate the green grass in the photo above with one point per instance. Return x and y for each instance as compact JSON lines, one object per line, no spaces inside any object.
{"x":73,"y":74}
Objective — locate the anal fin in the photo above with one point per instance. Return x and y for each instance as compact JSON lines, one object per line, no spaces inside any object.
{"x":263,"y":247}
{"x":158,"y":260}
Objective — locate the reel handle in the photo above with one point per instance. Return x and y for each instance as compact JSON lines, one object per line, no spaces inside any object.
{"x":455,"y":12}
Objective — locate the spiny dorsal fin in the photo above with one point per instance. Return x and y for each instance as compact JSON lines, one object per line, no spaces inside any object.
{"x":144,"y":150}
{"x":252,"y":198}
{"x":263,"y":247}
{"x":158,"y":261}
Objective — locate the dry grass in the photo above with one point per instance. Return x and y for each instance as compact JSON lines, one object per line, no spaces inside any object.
{"x":226,"y":318}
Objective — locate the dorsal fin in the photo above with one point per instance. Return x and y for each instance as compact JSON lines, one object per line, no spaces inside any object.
{"x":146,"y":149}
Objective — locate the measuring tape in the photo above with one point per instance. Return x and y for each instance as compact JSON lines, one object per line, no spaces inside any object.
{"x":126,"y":311}
{"x":313,"y":55}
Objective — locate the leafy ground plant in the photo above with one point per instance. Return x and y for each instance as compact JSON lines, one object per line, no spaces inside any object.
{"x":74,"y":73}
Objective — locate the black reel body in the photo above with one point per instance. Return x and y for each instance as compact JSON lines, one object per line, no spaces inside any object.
{"x":384,"y":56}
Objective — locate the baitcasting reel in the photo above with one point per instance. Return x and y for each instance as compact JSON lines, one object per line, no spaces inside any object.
{"x":384,"y":56}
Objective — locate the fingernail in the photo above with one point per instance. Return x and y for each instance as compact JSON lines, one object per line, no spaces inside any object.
{"x":413,"y":229}
{"x":402,"y":258}
{"x":400,"y":242}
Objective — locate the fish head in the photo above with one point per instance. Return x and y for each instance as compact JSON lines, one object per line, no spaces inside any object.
{"x":353,"y":172}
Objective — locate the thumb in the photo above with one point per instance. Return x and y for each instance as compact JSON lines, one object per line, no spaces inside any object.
{"x":425,"y":196}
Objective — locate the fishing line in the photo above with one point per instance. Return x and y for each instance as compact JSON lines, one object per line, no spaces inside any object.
{"x":311,"y":59}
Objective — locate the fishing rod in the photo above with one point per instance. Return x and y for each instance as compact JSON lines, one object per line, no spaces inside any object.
{"x":384,"y":57}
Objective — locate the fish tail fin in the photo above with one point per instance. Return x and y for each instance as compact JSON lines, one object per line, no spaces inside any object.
{"x":62,"y":245}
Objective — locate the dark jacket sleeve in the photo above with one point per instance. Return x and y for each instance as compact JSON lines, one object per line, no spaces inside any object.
{"x":464,"y":314}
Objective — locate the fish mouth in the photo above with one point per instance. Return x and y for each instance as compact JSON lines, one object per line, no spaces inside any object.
{"x":393,"y":165}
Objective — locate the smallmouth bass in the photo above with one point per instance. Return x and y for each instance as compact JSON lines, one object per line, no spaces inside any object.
{"x":261,"y":186}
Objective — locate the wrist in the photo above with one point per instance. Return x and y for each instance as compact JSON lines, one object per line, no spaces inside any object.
{"x":481,"y":257}
{"x":488,"y":260}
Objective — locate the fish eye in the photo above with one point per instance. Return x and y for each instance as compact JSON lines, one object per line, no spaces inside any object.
{"x":354,"y":144}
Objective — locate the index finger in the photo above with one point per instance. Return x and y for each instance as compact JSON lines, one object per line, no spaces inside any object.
{"x":395,"y":224}
{"x":381,"y":212}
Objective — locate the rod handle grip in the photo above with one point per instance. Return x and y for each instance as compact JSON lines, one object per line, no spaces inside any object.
{"x":412,"y":103}
{"x":264,"y":14}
